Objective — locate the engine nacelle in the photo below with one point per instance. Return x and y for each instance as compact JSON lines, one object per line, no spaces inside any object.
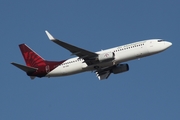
{"x":104,"y":57}
{"x":120,"y":68}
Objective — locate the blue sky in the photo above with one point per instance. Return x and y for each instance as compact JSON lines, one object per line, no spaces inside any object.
{"x":150,"y":90}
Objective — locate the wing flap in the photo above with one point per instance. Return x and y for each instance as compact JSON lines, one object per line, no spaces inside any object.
{"x":103,"y":75}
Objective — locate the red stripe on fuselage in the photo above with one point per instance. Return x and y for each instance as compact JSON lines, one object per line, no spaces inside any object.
{"x":43,"y":70}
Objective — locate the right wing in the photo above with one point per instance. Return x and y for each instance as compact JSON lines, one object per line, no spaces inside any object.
{"x":81,"y":53}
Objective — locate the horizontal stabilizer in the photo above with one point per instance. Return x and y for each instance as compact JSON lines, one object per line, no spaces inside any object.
{"x":32,"y":77}
{"x":25,"y":68}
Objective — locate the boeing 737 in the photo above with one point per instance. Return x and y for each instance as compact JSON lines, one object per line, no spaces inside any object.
{"x":102,"y":63}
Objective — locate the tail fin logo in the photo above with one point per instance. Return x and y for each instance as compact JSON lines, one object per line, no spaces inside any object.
{"x":31,"y":58}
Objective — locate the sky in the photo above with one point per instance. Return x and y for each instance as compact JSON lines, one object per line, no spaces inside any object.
{"x":150,"y":90}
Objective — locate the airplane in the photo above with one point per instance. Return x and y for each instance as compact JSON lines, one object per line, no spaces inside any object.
{"x":102,"y":63}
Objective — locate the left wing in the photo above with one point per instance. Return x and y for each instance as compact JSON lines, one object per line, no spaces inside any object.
{"x":82,"y":53}
{"x":103,"y":74}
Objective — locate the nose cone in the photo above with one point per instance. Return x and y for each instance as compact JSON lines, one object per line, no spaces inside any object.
{"x":169,"y":44}
{"x":166,"y":45}
{"x":158,"y":46}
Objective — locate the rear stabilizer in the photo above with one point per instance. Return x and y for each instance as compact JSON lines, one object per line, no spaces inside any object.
{"x":35,"y":66}
{"x":31,"y":58}
{"x":26,"y":69}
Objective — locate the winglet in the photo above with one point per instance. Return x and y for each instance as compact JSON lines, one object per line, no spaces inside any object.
{"x":49,"y":35}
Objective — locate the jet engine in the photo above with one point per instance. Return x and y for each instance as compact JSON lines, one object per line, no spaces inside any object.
{"x":104,"y":57}
{"x":120,"y":68}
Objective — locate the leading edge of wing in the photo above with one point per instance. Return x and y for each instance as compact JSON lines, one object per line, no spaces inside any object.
{"x":82,"y":53}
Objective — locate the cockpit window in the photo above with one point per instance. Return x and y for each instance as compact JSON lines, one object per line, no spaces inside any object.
{"x":160,"y":40}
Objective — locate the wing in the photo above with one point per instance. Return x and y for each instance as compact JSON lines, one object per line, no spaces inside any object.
{"x":82,"y":53}
{"x":103,"y":74}
{"x":26,"y":69}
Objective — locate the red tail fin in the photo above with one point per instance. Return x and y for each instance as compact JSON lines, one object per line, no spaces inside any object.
{"x":31,"y":58}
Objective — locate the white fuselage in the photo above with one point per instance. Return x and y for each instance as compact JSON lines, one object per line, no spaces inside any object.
{"x":122,"y":53}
